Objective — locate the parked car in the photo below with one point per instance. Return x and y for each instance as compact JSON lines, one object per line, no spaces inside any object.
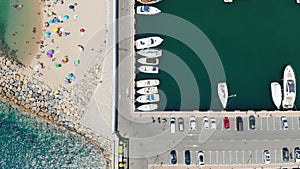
{"x":173,"y":157}
{"x":205,"y":122}
{"x":226,"y":123}
{"x":297,"y":154}
{"x":239,"y":123}
{"x":267,"y":159}
{"x":193,"y":122}
{"x":284,"y":123}
{"x":200,"y":158}
{"x":252,"y":122}
{"x":187,"y":155}
{"x":213,"y":124}
{"x":173,"y":125}
{"x":180,"y":124}
{"x":285,"y":154}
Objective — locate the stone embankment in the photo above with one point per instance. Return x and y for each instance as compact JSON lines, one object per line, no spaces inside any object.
{"x":22,"y":87}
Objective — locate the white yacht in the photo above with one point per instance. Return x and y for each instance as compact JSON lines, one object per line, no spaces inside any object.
{"x":147,"y":10}
{"x":149,"y":98}
{"x":148,"y":69}
{"x":148,"y":61}
{"x":148,"y":1}
{"x":223,"y":93}
{"x":150,"y":53}
{"x":289,"y":88}
{"x":147,"y":107}
{"x":149,"y":42}
{"x":147,"y":83}
{"x":148,"y":90}
{"x":276,"y":94}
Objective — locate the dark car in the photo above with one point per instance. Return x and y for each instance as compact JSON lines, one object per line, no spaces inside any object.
{"x":252,"y":122}
{"x":173,"y":157}
{"x":187,"y":155}
{"x":285,"y":154}
{"x":239,"y":123}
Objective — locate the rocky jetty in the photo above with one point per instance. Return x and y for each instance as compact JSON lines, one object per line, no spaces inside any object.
{"x":22,"y":87}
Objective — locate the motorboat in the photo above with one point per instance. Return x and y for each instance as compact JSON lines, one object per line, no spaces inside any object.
{"x":148,"y":69}
{"x":147,"y":10}
{"x":148,"y":90}
{"x":276,"y":94}
{"x":148,"y":98}
{"x":147,"y":107}
{"x":289,"y":88}
{"x":149,"y":42}
{"x":148,"y":61}
{"x":223,"y":93}
{"x":150,"y":53}
{"x":148,"y":1}
{"x":147,"y":83}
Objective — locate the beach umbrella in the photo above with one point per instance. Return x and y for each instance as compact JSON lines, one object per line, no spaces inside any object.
{"x":47,"y":34}
{"x":56,"y":20}
{"x":66,"y":17}
{"x":66,"y":80}
{"x":76,"y":62}
{"x":56,"y":30}
{"x":72,"y":7}
{"x":65,"y":60}
{"x":57,"y":65}
{"x":75,"y":17}
{"x":82,"y":30}
{"x":46,"y":24}
{"x":80,"y":48}
{"x":51,"y":52}
{"x":51,"y":20}
{"x":49,"y":55}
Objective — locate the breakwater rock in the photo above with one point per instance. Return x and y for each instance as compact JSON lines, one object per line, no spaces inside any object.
{"x":22,"y":87}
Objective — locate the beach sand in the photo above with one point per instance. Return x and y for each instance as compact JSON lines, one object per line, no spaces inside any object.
{"x":91,"y":16}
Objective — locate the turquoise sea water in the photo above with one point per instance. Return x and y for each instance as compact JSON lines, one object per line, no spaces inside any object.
{"x":27,"y":142}
{"x":255,"y":40}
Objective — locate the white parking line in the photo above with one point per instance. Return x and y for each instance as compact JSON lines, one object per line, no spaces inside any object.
{"x":229,"y":157}
{"x":268,"y":124}
{"x":223,"y":157}
{"x":292,"y":123}
{"x":250,"y":157}
{"x":261,"y":123}
{"x":262,"y":157}
{"x":243,"y":157}
{"x":275,"y":156}
{"x":209,"y":157}
{"x":273,"y":123}
{"x":256,"y":156}
{"x":217,"y":158}
{"x":298,"y":119}
{"x":236,"y":157}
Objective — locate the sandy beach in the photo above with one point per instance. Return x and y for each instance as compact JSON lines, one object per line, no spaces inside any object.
{"x":77,"y":23}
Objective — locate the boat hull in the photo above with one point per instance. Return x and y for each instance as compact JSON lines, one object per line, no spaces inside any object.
{"x":147,"y":10}
{"x":147,"y":107}
{"x":151,"y":98}
{"x":223,"y":94}
{"x":276,"y":94}
{"x":289,"y":88}
{"x":148,"y":69}
{"x":147,"y":83}
{"x":150,"y":53}
{"x":148,"y":61}
{"x":147,"y":2}
{"x":149,"y":42}
{"x":148,"y":90}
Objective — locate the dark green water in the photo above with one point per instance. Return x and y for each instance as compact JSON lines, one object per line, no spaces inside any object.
{"x":255,"y":40}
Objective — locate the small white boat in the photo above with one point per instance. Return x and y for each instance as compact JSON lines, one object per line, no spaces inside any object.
{"x":276,"y":94}
{"x":147,"y":107}
{"x":148,"y":90}
{"x":289,"y":88}
{"x":148,"y":1}
{"x":148,"y":61}
{"x":149,"y":98}
{"x":148,"y":69}
{"x":147,"y":10}
{"x":150,"y":53}
{"x":149,"y":42}
{"x":223,"y":93}
{"x":147,"y":83}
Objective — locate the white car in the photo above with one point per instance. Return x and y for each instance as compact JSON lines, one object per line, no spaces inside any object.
{"x":213,"y":124}
{"x":297,"y":154}
{"x":193,"y":122}
{"x":200,"y":158}
{"x":284,"y":123}
{"x":267,"y":159}
{"x":205,"y":122}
